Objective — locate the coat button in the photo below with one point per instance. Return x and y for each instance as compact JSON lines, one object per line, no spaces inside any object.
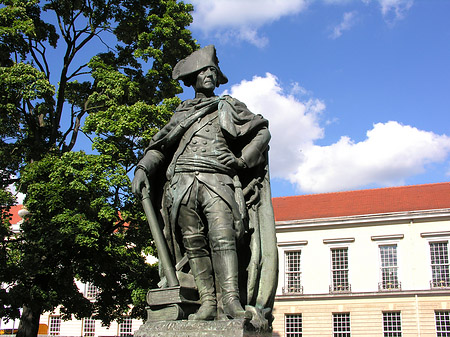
{"x":197,"y":173}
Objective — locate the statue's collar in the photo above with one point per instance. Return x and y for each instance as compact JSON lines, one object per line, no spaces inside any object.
{"x":198,"y":100}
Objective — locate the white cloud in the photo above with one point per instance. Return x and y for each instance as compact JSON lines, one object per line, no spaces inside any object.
{"x":244,"y":33}
{"x":347,"y":22}
{"x":236,"y":13}
{"x":232,"y":20}
{"x":294,"y":125}
{"x":242,"y":18}
{"x":391,"y":152}
{"x":394,"y":10}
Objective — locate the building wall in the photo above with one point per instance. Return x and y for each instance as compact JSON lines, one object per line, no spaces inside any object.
{"x":363,"y":235}
{"x":417,"y":314}
{"x":363,"y":253}
{"x":74,"y":327}
{"x":410,"y":231}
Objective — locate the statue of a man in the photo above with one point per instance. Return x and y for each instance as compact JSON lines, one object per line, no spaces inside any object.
{"x":215,"y":201}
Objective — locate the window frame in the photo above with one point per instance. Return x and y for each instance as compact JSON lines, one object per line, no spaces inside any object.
{"x":299,"y":320}
{"x":88,"y":327}
{"x":286,"y":289}
{"x":392,"y":332}
{"x":446,"y":332}
{"x":335,"y":287}
{"x":395,"y":284}
{"x":340,"y":326}
{"x":52,"y":325}
{"x":435,"y":281}
{"x":91,"y":291}
{"x":125,"y":328}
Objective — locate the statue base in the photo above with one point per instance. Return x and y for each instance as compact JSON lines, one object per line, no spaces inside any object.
{"x":173,"y":303}
{"x":225,"y":328}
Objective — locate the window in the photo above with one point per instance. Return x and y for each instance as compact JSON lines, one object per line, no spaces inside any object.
{"x":293,"y":325}
{"x":91,"y":291}
{"x":392,"y":324}
{"x":389,"y":268}
{"x":341,"y":325}
{"x":439,"y":265}
{"x":125,"y":328}
{"x":442,"y":323}
{"x":54,"y":326}
{"x":339,"y":270}
{"x":292,"y":281}
{"x":89,"y":327}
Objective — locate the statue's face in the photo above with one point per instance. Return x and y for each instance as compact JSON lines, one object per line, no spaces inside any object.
{"x":206,"y":80}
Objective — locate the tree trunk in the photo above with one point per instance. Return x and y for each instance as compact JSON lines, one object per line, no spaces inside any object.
{"x":29,"y":322}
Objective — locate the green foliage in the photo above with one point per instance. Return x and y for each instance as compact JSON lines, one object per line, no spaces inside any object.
{"x":26,"y":103}
{"x":71,"y":200}
{"x":19,"y":23}
{"x":84,"y":222}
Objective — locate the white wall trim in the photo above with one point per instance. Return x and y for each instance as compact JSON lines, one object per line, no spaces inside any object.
{"x":293,"y":243}
{"x":387,"y":237}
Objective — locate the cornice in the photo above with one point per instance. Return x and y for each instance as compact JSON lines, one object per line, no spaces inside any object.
{"x":355,"y":295}
{"x":365,"y":219}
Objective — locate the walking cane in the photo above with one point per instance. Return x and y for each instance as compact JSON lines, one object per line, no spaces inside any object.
{"x":160,"y":241}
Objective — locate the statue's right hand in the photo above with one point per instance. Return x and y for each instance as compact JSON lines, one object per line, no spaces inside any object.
{"x":140,"y":181}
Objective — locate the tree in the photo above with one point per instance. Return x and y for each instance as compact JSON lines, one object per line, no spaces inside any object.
{"x":101,"y":68}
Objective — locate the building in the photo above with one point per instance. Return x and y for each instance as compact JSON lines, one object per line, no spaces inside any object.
{"x":9,"y":327}
{"x":50,"y":322}
{"x":364,"y":263}
{"x":359,"y":263}
{"x":52,"y":325}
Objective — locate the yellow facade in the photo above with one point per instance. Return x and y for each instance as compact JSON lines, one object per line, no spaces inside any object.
{"x":417,"y":314}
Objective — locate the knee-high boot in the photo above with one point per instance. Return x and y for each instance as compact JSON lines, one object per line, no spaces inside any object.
{"x":226,"y":267}
{"x":202,"y":271}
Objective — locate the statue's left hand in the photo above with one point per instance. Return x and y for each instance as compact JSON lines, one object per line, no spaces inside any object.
{"x":229,"y":159}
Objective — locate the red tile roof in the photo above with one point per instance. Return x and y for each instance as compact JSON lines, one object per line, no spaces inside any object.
{"x":14,"y":216}
{"x":329,"y":205}
{"x":374,"y":201}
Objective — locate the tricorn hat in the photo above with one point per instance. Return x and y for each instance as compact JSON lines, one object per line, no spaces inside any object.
{"x":199,"y":59}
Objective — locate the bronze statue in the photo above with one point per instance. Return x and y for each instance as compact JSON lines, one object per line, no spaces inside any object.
{"x":207,"y":171}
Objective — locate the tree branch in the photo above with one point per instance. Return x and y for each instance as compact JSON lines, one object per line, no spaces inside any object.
{"x":45,"y":69}
{"x":76,"y":128}
{"x":77,"y":73}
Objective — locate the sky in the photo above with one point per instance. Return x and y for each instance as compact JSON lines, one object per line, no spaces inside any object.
{"x":357,"y":92}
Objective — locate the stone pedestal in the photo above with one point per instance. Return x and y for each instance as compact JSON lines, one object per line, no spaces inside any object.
{"x":226,"y":328}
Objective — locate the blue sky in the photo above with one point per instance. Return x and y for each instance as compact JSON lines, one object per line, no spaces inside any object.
{"x":357,"y":92}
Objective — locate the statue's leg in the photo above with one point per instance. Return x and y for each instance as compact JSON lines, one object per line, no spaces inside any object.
{"x":222,"y":240}
{"x":225,"y":264}
{"x":202,"y":269}
{"x":200,"y":262}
